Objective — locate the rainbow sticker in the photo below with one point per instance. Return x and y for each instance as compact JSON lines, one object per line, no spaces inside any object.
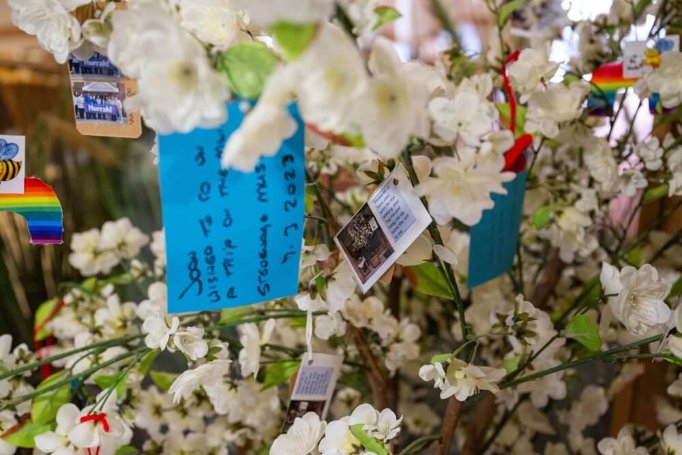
{"x":607,"y":80}
{"x":40,"y":208}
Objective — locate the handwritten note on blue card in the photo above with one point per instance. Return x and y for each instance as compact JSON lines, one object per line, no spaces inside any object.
{"x":494,"y":239}
{"x":232,"y":238}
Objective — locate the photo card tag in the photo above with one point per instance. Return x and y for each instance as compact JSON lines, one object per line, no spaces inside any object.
{"x":314,"y":386}
{"x":98,"y":91}
{"x":382,"y":229}
{"x":12,"y":164}
{"x":495,"y":237}
{"x":232,"y":238}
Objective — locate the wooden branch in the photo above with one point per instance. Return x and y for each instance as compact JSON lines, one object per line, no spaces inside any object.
{"x":483,"y":418}
{"x":375,"y":375}
{"x":450,"y":420}
{"x":550,"y":277}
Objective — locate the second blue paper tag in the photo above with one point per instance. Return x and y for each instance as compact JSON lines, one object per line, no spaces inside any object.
{"x":495,"y":237}
{"x":232,"y":238}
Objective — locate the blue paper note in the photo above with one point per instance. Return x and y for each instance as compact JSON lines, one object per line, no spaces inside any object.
{"x":495,"y":237}
{"x":232,"y":238}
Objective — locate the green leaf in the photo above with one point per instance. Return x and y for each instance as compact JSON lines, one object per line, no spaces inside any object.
{"x":162,"y":379}
{"x":440,"y":358}
{"x":42,"y":313}
{"x":655,"y":193}
{"x":634,"y":256}
{"x":125,"y":450}
{"x":246,"y":67}
{"x":147,"y":361}
{"x":506,"y":10}
{"x":24,"y":436}
{"x":429,"y":280}
{"x":385,"y":15}
{"x":511,"y":364}
{"x":280,"y":372}
{"x":232,"y":316}
{"x":293,"y":39}
{"x":44,"y":407}
{"x":583,"y":329}
{"x":368,"y":442}
{"x":505,"y":114}
{"x":541,"y":217}
{"x":108,"y":381}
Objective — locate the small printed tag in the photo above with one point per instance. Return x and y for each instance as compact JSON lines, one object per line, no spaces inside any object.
{"x":634,"y":59}
{"x":12,"y":164}
{"x":99,"y":90}
{"x":382,"y":229}
{"x":232,"y":238}
{"x":314,"y":387}
{"x":495,"y":237}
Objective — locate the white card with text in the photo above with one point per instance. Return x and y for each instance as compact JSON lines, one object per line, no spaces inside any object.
{"x":383,"y":229}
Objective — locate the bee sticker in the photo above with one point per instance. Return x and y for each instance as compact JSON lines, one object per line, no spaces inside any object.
{"x":12,"y":164}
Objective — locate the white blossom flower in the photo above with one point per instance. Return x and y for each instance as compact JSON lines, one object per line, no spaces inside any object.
{"x":636,"y":297}
{"x":123,"y":238}
{"x":251,"y":340}
{"x":159,"y":330}
{"x":466,"y":117}
{"x":569,"y":234}
{"x":462,"y":187}
{"x":601,"y":164}
{"x":393,"y":108}
{"x":191,"y":342}
{"x":671,"y":441}
{"x":329,"y":325}
{"x":631,"y":181}
{"x":555,"y":105}
{"x":58,"y":31}
{"x":462,"y":379}
{"x":623,"y":444}
{"x":87,"y":256}
{"x":666,"y":80}
{"x":530,"y":71}
{"x":155,"y":304}
{"x":207,"y":374}
{"x":267,"y":12}
{"x":301,"y":438}
{"x":651,"y":153}
{"x":387,"y":426}
{"x":214,"y":22}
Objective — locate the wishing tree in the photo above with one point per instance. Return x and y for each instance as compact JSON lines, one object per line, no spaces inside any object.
{"x":512,"y":153}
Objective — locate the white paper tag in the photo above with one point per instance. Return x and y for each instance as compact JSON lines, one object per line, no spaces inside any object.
{"x":12,"y":164}
{"x":382,"y":229}
{"x":314,"y":386}
{"x":633,"y":59}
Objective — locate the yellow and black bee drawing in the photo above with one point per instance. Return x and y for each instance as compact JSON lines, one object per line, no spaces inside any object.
{"x":9,"y":169}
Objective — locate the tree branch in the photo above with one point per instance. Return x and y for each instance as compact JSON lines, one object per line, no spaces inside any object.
{"x":375,"y":376}
{"x":483,"y":418}
{"x":450,"y":420}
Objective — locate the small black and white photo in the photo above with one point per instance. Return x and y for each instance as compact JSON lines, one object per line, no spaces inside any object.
{"x":96,"y":66}
{"x":299,"y":408}
{"x":364,"y":243}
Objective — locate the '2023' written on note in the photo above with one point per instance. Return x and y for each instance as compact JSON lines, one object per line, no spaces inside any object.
{"x":232,"y":238}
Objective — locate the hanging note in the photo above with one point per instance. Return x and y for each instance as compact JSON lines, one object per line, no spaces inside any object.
{"x":40,"y":208}
{"x":12,"y":164}
{"x":232,"y":238}
{"x":495,"y":237}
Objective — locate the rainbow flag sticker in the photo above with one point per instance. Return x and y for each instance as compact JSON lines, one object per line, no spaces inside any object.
{"x":40,"y":207}
{"x":607,"y":80}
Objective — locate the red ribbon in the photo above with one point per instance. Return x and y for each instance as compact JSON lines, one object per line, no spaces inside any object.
{"x":514,"y":160}
{"x":97,"y":418}
{"x":46,"y":370}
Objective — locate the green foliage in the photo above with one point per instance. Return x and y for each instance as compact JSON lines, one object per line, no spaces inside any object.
{"x":147,"y":361}
{"x":162,"y":379}
{"x":44,"y":407}
{"x":440,"y":358}
{"x":42,"y":313}
{"x":293,"y":39}
{"x":368,"y":442}
{"x":541,"y":217}
{"x":280,"y":372}
{"x":505,"y":113}
{"x":583,"y":329}
{"x":231,"y":316}
{"x":385,"y":15}
{"x":430,"y":281}
{"x":24,"y":436}
{"x":511,"y":364}
{"x":676,"y":290}
{"x":114,"y":380}
{"x":655,"y":193}
{"x":246,"y":67}
{"x":126,"y":450}
{"x":506,"y":10}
